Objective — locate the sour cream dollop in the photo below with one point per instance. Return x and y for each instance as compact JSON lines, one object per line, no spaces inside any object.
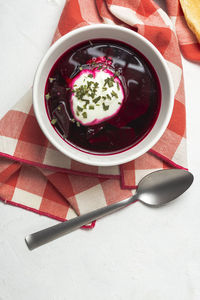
{"x":97,"y":95}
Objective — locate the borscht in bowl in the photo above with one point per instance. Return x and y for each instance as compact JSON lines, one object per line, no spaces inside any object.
{"x":103,"y":95}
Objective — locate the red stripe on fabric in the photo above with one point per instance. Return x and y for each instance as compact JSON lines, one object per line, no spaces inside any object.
{"x":35,"y":164}
{"x":90,"y":226}
{"x":123,"y":178}
{"x":170,"y":162}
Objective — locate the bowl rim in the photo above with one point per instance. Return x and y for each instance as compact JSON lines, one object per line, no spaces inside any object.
{"x":85,"y":158}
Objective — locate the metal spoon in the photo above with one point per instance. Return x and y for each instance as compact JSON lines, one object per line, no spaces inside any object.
{"x":154,"y":190}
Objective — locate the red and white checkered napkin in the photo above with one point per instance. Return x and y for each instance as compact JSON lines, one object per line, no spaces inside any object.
{"x":35,"y":176}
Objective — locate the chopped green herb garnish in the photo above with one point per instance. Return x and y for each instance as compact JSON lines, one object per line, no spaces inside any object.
{"x":47,"y":96}
{"x":96,"y":99}
{"x":93,"y":63}
{"x":114,"y":94}
{"x":100,"y":67}
{"x":84,"y":114}
{"x":91,"y":107}
{"x":104,"y":98}
{"x":108,"y":96}
{"x":51,"y":79}
{"x":89,"y":83}
{"x":80,"y":68}
{"x":97,"y":104}
{"x":105,"y":107}
{"x":77,"y":113}
{"x":79,"y":108}
{"x":117,"y":73}
{"x":104,"y":88}
{"x":53,"y":121}
{"x":86,"y":101}
{"x":109,"y":81}
{"x":90,"y":75}
{"x":119,"y":103}
{"x":118,"y":85}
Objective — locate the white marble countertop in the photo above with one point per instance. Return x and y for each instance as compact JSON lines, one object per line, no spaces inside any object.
{"x":138,"y":253}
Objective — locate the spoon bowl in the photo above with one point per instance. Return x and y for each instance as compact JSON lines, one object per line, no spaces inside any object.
{"x":155,"y":189}
{"x":161,"y":187}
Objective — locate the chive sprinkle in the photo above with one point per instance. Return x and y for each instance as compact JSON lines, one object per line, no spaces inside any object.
{"x":117,"y":73}
{"x":79,"y":108}
{"x":53,"y":121}
{"x":105,"y":107}
{"x":47,"y":96}
{"x":51,"y":79}
{"x":91,"y":107}
{"x":118,"y":85}
{"x":90,"y":75}
{"x":109,"y":81}
{"x":86,"y":101}
{"x":84,"y":114}
{"x":114,"y":94}
{"x":91,"y":44}
{"x":96,"y":99}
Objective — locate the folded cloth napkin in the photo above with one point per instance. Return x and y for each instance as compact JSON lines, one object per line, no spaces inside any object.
{"x":35,"y":176}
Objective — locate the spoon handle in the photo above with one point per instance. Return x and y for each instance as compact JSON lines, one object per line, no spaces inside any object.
{"x":44,"y":236}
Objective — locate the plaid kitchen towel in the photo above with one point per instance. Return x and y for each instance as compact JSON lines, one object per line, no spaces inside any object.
{"x":35,"y":176}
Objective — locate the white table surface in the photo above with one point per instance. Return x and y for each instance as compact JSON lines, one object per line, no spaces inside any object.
{"x":138,"y":253}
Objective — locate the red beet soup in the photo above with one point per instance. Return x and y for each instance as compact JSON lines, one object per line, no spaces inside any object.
{"x":102,"y":96}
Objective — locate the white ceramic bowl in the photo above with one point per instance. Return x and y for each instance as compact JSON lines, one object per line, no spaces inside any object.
{"x":97,"y":32}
